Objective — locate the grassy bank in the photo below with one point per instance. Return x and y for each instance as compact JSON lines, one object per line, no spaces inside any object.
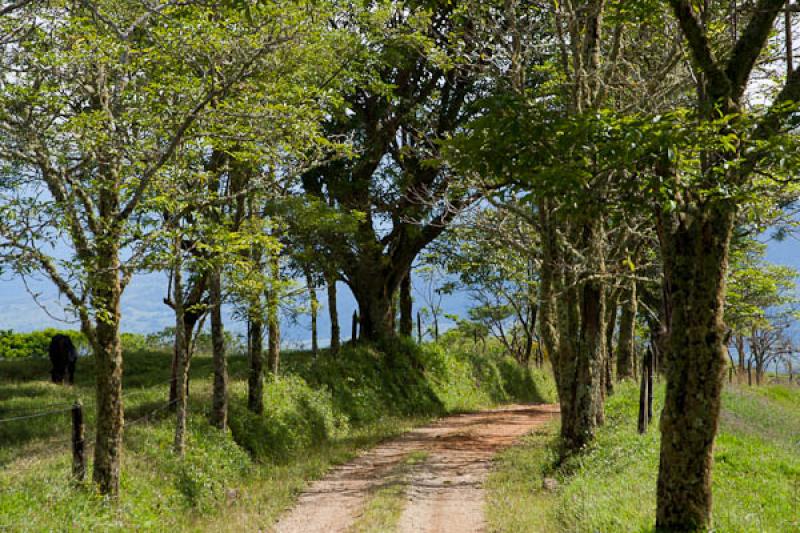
{"x":319,"y":412}
{"x":612,"y":486}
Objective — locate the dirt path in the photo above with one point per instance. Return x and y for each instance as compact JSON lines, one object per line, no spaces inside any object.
{"x":445,"y":491}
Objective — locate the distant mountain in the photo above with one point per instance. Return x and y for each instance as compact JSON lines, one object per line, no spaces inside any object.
{"x":144,"y":310}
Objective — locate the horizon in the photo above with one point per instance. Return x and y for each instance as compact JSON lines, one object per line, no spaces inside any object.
{"x":143,"y":309}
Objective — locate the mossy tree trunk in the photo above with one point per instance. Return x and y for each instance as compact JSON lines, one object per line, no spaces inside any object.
{"x":573,"y":329}
{"x":695,"y":252}
{"x":580,"y":359}
{"x":739,"y":341}
{"x":612,"y":300}
{"x":374,"y":310}
{"x":333,"y":313}
{"x":314,"y":308}
{"x":695,"y":241}
{"x":548,"y":332}
{"x":406,"y":307}
{"x":219,"y":402}
{"x":106,"y":296}
{"x":255,"y":356}
{"x":626,"y":350}
{"x":273,"y":317}
{"x":194,"y":309}
{"x":182,"y":351}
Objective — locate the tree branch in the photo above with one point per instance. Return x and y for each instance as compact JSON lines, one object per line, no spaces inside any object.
{"x":718,"y":83}
{"x":750,"y":45}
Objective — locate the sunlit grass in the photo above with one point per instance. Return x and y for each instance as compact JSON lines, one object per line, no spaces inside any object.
{"x":219,"y":485}
{"x":612,"y":486}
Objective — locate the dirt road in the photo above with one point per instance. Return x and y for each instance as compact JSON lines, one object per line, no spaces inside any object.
{"x":445,"y":490}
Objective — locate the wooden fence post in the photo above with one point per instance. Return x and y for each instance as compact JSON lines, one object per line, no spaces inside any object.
{"x":354,"y":333}
{"x":645,"y":392}
{"x":78,"y":449}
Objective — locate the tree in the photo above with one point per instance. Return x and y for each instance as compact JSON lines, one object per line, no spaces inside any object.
{"x":759,"y":304}
{"x":706,"y":185}
{"x":420,"y":65}
{"x":626,"y":351}
{"x":431,"y":291}
{"x":493,"y":253}
{"x":89,"y":125}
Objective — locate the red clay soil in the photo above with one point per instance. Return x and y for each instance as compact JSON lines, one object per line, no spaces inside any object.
{"x":445,"y":490}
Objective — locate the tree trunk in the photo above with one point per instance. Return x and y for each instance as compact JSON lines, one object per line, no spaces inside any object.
{"x":580,"y":359}
{"x":333,"y":312}
{"x":106,"y":295}
{"x":190,"y":320}
{"x":419,"y":327}
{"x":374,"y":314}
{"x":695,"y":251}
{"x":530,"y":330}
{"x":354,"y":327}
{"x":219,"y":403}
{"x":627,"y":330}
{"x":255,"y":381}
{"x":581,"y":348}
{"x":739,"y":340}
{"x":611,"y":324}
{"x":181,"y":348}
{"x":651,"y":370}
{"x":406,"y":307}
{"x":548,"y":332}
{"x":312,"y":294}
{"x":273,"y":320}
{"x":374,"y":284}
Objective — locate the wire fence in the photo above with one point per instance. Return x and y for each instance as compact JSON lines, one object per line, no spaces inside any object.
{"x":77,"y":433}
{"x":5,"y":409}
{"x":81,"y":439}
{"x":34,"y":415}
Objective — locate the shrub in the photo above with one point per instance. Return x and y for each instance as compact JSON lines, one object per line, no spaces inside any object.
{"x":296,"y":417}
{"x":133,"y":342}
{"x":212,"y":462}
{"x":36,"y":343}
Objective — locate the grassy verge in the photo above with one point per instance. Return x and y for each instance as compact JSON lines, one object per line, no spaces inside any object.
{"x":612,"y":486}
{"x":320,"y":413}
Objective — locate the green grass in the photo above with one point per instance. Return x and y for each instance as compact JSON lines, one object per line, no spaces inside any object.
{"x":319,"y":413}
{"x":612,"y":486}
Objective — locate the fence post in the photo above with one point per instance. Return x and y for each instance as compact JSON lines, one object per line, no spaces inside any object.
{"x":78,"y":449}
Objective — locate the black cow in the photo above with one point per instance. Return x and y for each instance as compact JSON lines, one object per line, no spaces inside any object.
{"x":63,"y":357}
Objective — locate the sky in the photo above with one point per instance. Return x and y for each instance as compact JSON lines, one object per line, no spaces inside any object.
{"x":144,"y":311}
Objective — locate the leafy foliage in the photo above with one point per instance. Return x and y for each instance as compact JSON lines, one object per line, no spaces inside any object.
{"x":36,"y":343}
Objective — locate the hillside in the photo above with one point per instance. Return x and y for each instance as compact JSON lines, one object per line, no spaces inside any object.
{"x":318,"y":413}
